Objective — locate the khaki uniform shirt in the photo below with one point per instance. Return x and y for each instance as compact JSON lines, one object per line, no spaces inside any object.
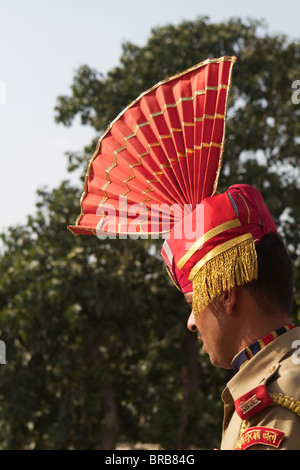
{"x":262,"y":400}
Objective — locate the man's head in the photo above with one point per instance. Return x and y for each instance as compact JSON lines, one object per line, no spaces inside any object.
{"x":243,"y":314}
{"x":237,"y":273}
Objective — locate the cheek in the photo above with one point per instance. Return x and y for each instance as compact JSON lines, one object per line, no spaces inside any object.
{"x":210,"y":329}
{"x":204,"y":325}
{"x":216,"y":337}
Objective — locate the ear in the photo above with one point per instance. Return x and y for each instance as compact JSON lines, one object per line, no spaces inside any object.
{"x":229,"y":298}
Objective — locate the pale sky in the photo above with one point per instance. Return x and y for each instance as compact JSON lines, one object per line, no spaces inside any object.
{"x":42,"y":44}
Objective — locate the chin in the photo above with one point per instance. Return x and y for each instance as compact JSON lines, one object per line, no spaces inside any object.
{"x":220,"y":363}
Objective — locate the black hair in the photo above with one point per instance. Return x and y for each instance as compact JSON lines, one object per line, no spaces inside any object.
{"x":274,"y":286}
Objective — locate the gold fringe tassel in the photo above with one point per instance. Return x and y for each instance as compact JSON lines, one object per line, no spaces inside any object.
{"x":234,"y":267}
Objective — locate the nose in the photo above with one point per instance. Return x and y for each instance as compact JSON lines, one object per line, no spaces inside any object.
{"x":191,"y":323}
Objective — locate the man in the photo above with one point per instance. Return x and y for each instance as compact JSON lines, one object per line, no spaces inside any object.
{"x":159,"y":160}
{"x":239,"y":279}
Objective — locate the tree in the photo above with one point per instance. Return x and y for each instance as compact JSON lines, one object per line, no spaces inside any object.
{"x":97,"y":346}
{"x":94,"y":346}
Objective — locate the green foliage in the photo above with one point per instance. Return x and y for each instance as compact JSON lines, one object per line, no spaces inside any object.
{"x":88,"y":325}
{"x":97,"y":346}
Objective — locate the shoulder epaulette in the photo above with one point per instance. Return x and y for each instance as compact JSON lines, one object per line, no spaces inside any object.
{"x":286,"y":402}
{"x":252,"y":402}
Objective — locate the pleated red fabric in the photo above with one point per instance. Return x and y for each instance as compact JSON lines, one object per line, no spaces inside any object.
{"x":161,"y":156}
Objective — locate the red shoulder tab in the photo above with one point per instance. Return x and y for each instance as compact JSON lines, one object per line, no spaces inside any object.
{"x":260,"y":435}
{"x":253,"y":402}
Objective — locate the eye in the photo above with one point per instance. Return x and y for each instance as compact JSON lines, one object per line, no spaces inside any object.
{"x":189,"y":300}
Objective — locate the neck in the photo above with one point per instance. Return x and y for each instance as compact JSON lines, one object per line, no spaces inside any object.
{"x":255,"y":323}
{"x":250,"y":336}
{"x":247,"y":353}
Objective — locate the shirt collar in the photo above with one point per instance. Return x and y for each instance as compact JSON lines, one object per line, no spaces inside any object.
{"x":246,"y":354}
